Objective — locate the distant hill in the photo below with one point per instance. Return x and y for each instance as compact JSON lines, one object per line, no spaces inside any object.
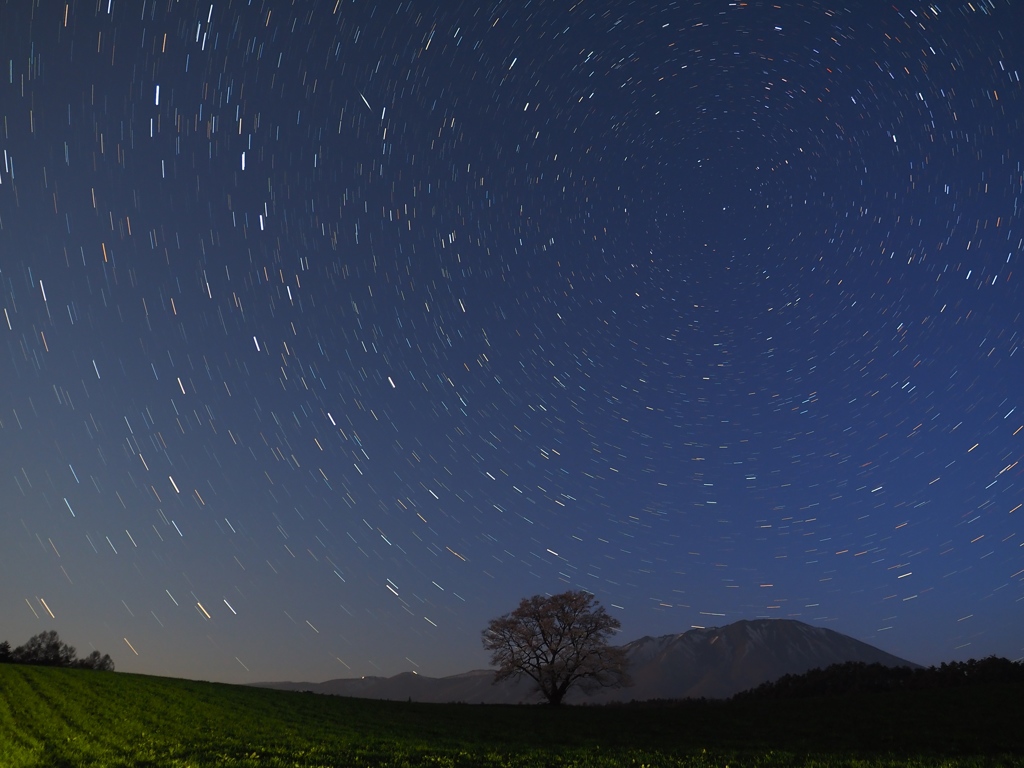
{"x":713,"y":663}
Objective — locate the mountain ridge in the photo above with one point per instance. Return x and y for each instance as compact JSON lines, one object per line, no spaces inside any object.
{"x":713,"y":663}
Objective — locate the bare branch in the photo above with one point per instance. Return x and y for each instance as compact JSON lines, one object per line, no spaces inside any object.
{"x":558,"y":642}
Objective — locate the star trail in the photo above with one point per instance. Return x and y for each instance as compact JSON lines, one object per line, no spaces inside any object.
{"x":333,"y":328}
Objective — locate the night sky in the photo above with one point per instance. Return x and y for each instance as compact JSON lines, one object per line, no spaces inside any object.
{"x":331,"y":329}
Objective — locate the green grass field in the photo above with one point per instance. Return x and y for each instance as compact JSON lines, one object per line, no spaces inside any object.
{"x":66,"y":717}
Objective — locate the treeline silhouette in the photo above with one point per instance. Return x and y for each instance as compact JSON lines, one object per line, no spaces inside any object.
{"x":860,"y":677}
{"x":47,"y":650}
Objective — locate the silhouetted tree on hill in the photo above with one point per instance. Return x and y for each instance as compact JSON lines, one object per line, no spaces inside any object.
{"x":46,"y":649}
{"x":95,"y":661}
{"x":558,"y":642}
{"x":858,"y":677}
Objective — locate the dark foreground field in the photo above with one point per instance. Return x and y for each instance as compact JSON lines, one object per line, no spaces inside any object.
{"x":64,"y":717}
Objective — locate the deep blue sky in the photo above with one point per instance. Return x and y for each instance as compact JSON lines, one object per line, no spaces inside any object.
{"x":332,"y":329}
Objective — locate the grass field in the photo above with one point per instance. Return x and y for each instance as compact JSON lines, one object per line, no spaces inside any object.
{"x":66,"y":717}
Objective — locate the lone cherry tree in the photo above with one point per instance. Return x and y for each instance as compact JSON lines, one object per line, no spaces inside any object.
{"x":558,"y":642}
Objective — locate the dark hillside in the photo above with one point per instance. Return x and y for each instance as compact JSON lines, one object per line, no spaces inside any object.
{"x":858,"y":677}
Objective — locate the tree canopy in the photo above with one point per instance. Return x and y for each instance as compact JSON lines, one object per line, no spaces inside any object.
{"x":859,"y":677}
{"x":559,"y":642}
{"x":47,"y":649}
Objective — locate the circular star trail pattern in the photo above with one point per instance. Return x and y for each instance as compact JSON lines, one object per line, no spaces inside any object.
{"x":332,"y":329}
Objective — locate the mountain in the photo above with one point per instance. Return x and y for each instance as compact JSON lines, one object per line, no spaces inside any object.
{"x":715,"y":663}
{"x":712,"y":663}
